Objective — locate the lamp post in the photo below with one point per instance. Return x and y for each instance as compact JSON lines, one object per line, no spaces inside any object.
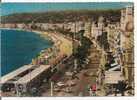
{"x":51,"y":93}
{"x":73,"y":45}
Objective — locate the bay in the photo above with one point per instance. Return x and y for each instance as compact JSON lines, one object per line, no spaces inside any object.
{"x":19,"y":47}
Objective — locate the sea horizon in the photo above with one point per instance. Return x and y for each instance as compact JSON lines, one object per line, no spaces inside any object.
{"x":12,"y":8}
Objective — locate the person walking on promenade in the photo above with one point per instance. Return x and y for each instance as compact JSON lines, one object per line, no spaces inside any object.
{"x":93,"y":88}
{"x":90,"y":92}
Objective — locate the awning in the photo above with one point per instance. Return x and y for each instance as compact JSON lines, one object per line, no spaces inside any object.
{"x":115,"y":68}
{"x":15,"y":73}
{"x":114,"y":64}
{"x":112,"y":77}
{"x":32,"y":75}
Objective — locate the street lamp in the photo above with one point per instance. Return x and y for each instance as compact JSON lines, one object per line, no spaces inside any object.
{"x":73,"y":44}
{"x":51,"y":93}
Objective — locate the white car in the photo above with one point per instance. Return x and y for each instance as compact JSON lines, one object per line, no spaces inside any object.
{"x":68,"y":73}
{"x":68,"y":90}
{"x":60,"y":84}
{"x":71,"y":83}
{"x":56,"y":89}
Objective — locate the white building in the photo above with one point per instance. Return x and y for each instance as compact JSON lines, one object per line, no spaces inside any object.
{"x":97,"y":28}
{"x":126,"y":17}
{"x":87,"y":28}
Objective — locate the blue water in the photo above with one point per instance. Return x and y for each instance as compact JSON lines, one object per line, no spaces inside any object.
{"x":10,"y":8}
{"x":19,"y":47}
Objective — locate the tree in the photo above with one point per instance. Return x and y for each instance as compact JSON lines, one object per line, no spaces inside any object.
{"x":83,"y":50}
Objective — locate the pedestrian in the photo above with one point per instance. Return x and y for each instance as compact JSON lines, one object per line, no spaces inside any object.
{"x":80,"y":94}
{"x":97,"y":81}
{"x":93,"y":88}
{"x":115,"y":91}
{"x":90,"y":92}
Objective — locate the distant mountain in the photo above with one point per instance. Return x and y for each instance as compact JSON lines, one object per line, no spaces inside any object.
{"x":62,"y":16}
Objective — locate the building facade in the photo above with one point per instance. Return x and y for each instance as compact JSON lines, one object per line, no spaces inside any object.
{"x":127,"y":45}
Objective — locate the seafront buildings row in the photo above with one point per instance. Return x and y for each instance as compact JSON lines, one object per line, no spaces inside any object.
{"x":114,"y":39}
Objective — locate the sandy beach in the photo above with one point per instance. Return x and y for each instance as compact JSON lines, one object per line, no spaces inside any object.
{"x":64,"y":44}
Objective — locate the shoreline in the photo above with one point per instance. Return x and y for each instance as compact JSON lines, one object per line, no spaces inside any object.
{"x":56,"y":39}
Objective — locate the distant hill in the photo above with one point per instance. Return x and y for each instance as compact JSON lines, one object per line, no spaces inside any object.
{"x":62,"y":16}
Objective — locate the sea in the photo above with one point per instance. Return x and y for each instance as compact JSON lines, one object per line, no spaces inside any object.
{"x":18,"y":48}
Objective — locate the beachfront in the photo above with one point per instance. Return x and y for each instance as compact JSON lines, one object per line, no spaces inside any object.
{"x":48,"y":57}
{"x":92,"y":54}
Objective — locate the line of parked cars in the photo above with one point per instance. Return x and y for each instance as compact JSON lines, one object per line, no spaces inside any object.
{"x":64,"y":86}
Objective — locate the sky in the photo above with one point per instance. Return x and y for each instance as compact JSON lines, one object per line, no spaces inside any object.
{"x":11,"y":8}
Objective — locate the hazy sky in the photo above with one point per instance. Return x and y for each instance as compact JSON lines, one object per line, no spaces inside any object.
{"x":10,"y":8}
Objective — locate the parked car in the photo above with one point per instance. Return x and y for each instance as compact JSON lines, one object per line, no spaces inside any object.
{"x":68,"y":73}
{"x":89,"y":74}
{"x":57,"y":89}
{"x":71,"y":83}
{"x":68,"y":90}
{"x":61,"y":84}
